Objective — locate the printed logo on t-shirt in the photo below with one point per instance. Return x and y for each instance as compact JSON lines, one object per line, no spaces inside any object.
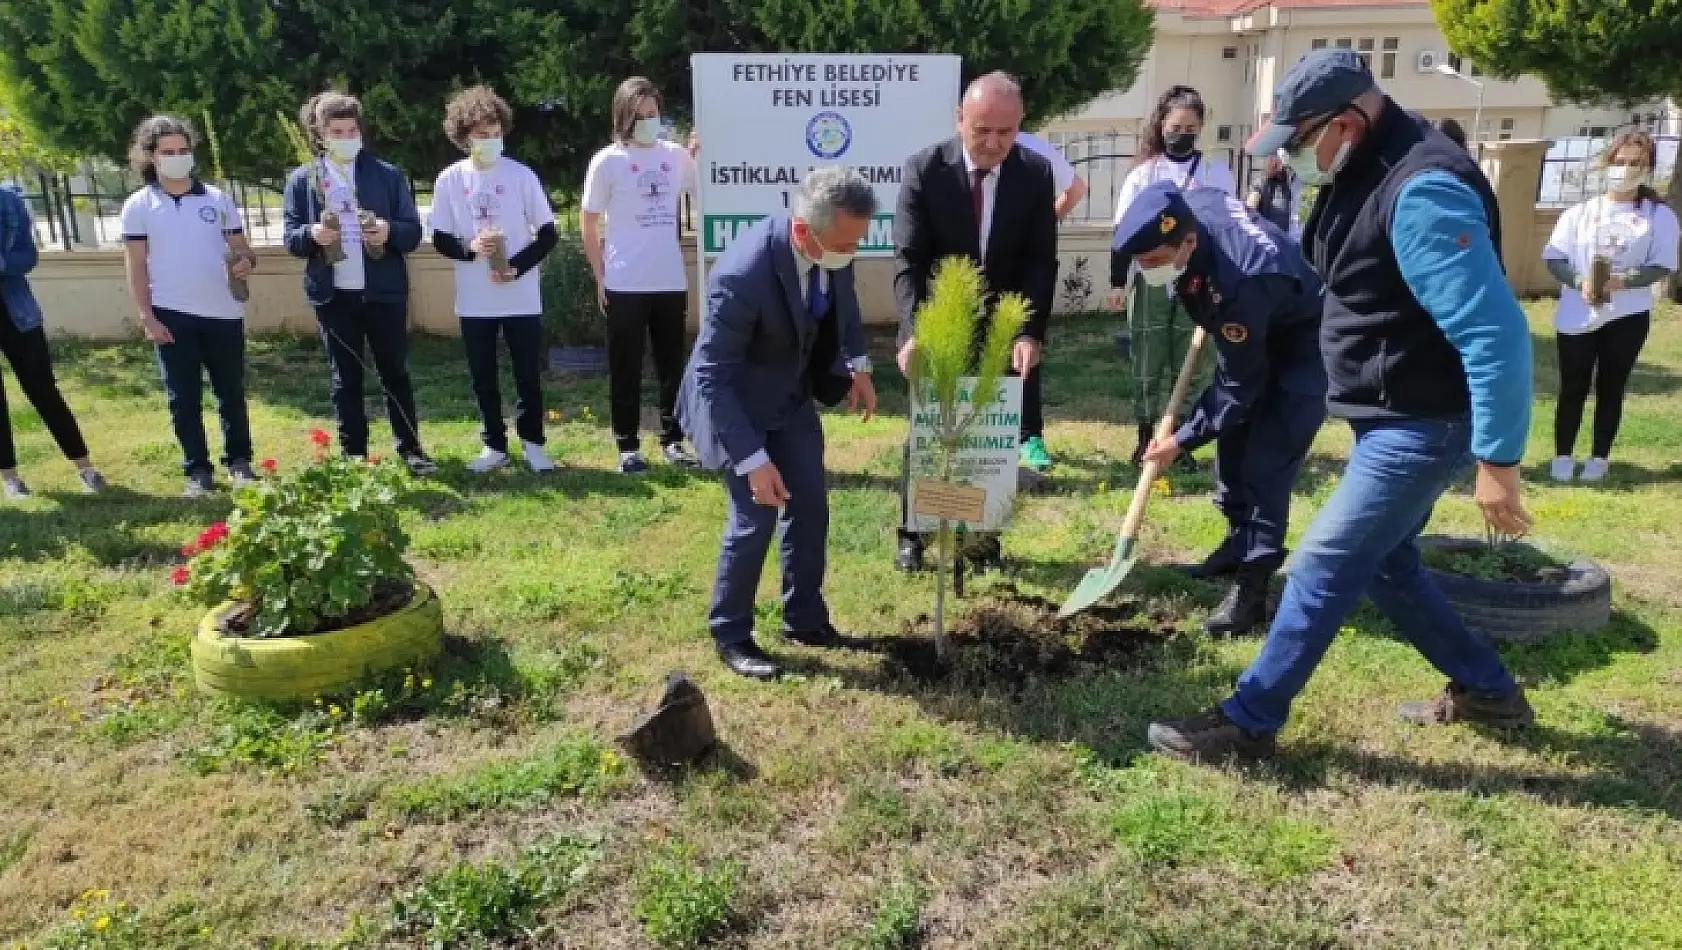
{"x":207,"y":214}
{"x":654,"y":184}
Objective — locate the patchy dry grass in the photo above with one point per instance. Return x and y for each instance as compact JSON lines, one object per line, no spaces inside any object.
{"x":853,"y":807}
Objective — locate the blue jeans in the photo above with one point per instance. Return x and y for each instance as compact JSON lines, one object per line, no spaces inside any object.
{"x":1362,"y":542}
{"x":205,"y":346}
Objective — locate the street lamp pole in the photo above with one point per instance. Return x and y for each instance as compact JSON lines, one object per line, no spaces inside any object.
{"x":1477,"y":116}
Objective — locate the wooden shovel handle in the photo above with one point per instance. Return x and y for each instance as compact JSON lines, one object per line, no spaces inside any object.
{"x":1164,"y":429}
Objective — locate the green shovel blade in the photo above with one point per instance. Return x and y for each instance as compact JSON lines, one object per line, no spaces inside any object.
{"x":1100,"y":582}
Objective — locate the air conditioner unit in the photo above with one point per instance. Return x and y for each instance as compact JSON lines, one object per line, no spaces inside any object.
{"x":1427,"y":62}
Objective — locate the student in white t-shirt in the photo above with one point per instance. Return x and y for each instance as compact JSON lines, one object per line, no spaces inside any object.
{"x":1071,"y":188}
{"x":1600,"y":339}
{"x":478,"y":202}
{"x":637,"y":183}
{"x":1167,"y":152}
{"x":178,"y":235}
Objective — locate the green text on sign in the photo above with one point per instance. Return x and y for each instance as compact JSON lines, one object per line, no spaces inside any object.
{"x":718,"y":230}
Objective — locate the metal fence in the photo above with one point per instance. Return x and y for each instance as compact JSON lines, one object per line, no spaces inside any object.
{"x":1103,"y":159}
{"x":1569,"y":175}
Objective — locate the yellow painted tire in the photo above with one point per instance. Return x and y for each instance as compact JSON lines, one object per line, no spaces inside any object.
{"x":322,"y":664}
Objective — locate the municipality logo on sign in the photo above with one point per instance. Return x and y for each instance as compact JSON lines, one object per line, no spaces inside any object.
{"x":828,"y":135}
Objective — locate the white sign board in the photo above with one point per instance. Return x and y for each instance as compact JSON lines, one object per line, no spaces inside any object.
{"x":988,"y":456}
{"x":766,"y":119}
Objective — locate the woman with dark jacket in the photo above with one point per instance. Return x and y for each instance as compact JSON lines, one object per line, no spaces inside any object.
{"x":23,"y":338}
{"x":355,"y":276}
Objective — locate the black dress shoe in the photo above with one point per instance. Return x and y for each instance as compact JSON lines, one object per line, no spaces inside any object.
{"x":910,"y":557}
{"x":827,"y":637}
{"x":747,"y":659}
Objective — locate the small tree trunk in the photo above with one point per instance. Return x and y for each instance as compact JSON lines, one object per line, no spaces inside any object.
{"x":943,"y":547}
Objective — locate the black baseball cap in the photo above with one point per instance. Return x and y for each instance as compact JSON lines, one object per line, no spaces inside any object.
{"x":1321,"y":82}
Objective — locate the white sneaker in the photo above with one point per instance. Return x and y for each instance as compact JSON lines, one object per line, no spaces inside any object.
{"x":1595,"y":469}
{"x":489,"y":460}
{"x":537,"y":458}
{"x":1563,"y":469}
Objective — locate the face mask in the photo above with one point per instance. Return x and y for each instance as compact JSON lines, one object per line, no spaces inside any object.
{"x":1305,"y":161}
{"x":1180,"y":144}
{"x":175,"y":167}
{"x":487,"y":151}
{"x":1626,"y":178}
{"x":646,"y":131}
{"x":1162,"y":276}
{"x":830,"y":260}
{"x":345,"y":150}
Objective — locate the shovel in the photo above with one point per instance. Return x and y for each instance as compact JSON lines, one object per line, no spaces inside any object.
{"x":1100,"y":582}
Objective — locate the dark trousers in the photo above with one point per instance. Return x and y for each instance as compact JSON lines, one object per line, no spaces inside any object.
{"x":797,"y":451}
{"x":351,"y":325}
{"x":1602,"y":360}
{"x":632,"y":319}
{"x":205,"y":346}
{"x":32,"y":363}
{"x":524,"y":336}
{"x":1256,"y":465}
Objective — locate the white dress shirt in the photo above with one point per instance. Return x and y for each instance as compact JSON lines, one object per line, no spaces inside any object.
{"x":989,"y":192}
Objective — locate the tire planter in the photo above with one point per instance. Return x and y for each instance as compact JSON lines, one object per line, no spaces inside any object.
{"x":284,"y":669}
{"x":1518,"y":612}
{"x":578,"y":360}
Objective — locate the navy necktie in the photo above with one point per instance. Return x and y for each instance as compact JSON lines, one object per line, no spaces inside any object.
{"x":817,"y":302}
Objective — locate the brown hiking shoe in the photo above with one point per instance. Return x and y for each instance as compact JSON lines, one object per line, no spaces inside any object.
{"x":1459,"y":704}
{"x":1208,"y":737}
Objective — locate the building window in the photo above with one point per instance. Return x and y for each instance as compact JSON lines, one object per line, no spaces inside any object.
{"x":1223,"y":133}
{"x":1365,"y":47}
{"x":1318,"y":43}
{"x":1344,"y":42}
{"x":1472,"y":69}
{"x":1229,"y":52}
{"x":1507,"y":126}
{"x":1388,"y":63}
{"x":1454,"y":62}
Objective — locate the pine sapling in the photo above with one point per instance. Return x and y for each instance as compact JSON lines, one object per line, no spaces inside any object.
{"x":298,"y":138}
{"x":237,"y":286}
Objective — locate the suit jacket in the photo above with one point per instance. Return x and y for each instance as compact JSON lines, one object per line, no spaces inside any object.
{"x":760,"y":357}
{"x":935,"y":218}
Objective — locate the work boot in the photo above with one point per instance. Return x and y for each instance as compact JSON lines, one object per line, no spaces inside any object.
{"x":1209,"y":737}
{"x":1243,"y":609}
{"x":1220,"y":562}
{"x":1459,"y":704}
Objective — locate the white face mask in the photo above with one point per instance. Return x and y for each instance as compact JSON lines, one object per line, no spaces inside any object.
{"x":646,"y":131}
{"x":175,"y":167}
{"x":1626,"y":178}
{"x":1162,"y":276}
{"x":487,"y":151}
{"x":830,"y":260}
{"x":345,"y":150}
{"x":1305,"y":161}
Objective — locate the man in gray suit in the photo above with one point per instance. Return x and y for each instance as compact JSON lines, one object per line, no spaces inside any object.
{"x":781,"y":331}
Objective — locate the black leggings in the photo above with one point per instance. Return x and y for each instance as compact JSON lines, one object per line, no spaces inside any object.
{"x":1602,"y":360}
{"x":32,"y":362}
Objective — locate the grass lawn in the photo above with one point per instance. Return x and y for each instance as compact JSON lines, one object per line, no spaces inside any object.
{"x":483,"y":803}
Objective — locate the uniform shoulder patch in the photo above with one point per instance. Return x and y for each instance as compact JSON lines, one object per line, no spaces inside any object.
{"x":1235,"y":332}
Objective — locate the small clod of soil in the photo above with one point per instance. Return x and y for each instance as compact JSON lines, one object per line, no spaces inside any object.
{"x":1007,"y":640}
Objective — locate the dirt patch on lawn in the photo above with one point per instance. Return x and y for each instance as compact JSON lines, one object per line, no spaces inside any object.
{"x":1009,"y":639}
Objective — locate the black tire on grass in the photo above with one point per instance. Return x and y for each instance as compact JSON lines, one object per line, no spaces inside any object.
{"x":1526,"y":613}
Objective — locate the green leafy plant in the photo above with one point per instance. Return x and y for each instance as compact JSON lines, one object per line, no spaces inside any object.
{"x":682,"y":905}
{"x":267,"y":740}
{"x":477,"y":905}
{"x":897,"y":922}
{"x":571,"y":315}
{"x":1506,"y":562}
{"x":949,"y":324}
{"x":98,"y":923}
{"x":306,"y":552}
{"x":578,"y":765}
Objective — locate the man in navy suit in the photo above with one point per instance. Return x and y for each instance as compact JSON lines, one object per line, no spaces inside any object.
{"x":781,"y":332}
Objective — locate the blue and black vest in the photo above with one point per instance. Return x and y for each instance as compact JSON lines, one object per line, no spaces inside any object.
{"x":1385,"y":356}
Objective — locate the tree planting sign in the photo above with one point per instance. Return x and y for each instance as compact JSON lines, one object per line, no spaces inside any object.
{"x":765,"y":120}
{"x":986,"y":458}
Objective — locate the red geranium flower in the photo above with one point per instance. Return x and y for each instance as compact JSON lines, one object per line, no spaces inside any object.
{"x":320,"y":437}
{"x":189,"y":549}
{"x":209,"y":536}
{"x":178,"y":576}
{"x":267,"y":465}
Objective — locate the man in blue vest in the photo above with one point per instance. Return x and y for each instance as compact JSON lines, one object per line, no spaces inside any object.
{"x":1247,"y":284}
{"x":1428,"y":358}
{"x":781,"y":332}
